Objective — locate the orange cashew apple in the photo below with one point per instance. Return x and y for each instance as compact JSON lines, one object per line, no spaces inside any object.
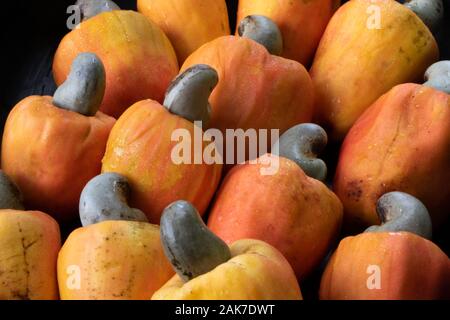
{"x":117,"y":254}
{"x":139,"y":59}
{"x":29,"y":245}
{"x":52,"y":146}
{"x":208,"y":269}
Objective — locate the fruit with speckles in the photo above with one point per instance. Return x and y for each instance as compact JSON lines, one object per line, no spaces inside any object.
{"x":116,"y":254}
{"x":29,"y":245}
{"x":401,"y":143}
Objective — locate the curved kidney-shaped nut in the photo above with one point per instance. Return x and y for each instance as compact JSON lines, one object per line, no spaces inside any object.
{"x":91,"y":8}
{"x":105,"y":197}
{"x":437,"y":76}
{"x":430,"y":11}
{"x":264,"y":31}
{"x":188,"y":94}
{"x":301,"y":144}
{"x":10,"y":196}
{"x":399,"y":211}
{"x":84,"y":87}
{"x":188,"y":243}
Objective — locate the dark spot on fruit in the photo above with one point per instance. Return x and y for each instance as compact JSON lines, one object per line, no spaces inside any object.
{"x":354,"y":190}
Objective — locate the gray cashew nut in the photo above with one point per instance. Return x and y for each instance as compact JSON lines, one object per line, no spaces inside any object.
{"x":188,"y":94}
{"x":399,"y":211}
{"x":188,"y":243}
{"x":302,"y":144}
{"x":105,"y":197}
{"x":264,"y":31}
{"x":437,"y":76}
{"x":84,"y":87}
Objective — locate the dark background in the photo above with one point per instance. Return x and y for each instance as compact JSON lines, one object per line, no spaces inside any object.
{"x":30,"y":33}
